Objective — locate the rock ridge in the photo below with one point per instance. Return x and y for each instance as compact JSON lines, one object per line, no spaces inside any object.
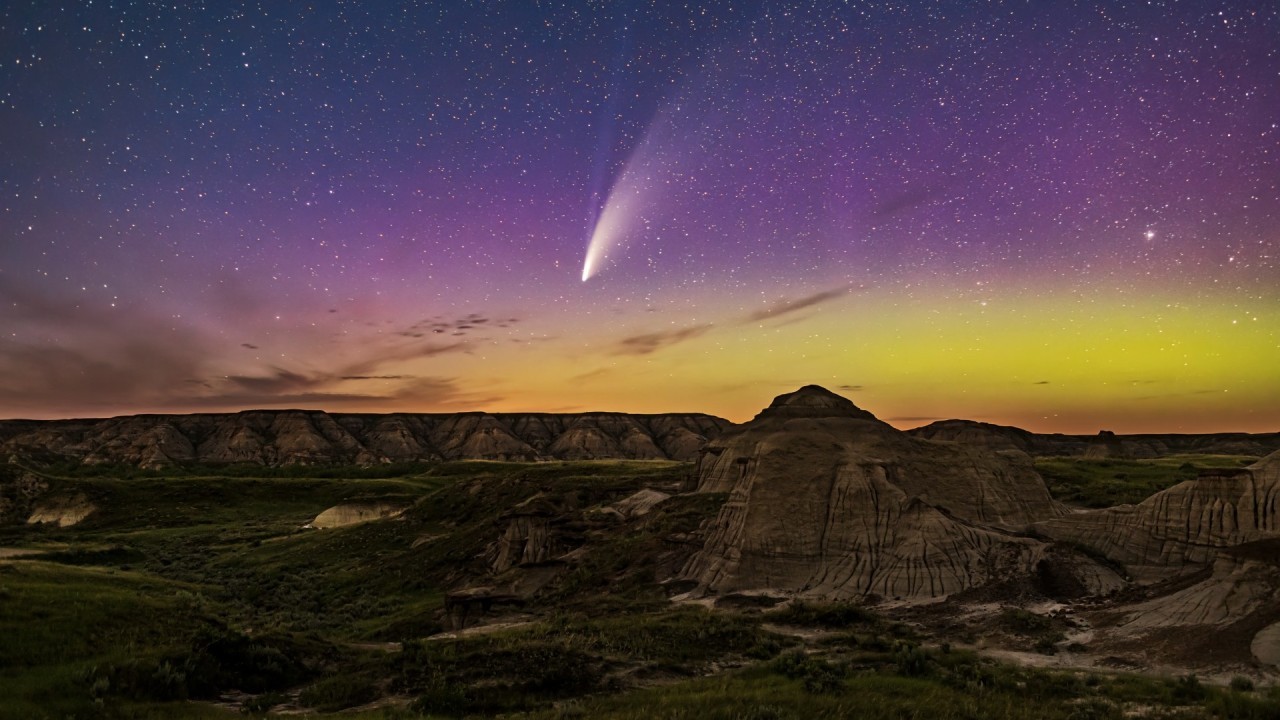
{"x":313,"y":437}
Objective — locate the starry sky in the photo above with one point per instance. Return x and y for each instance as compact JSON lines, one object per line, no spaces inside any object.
{"x":1063,"y":216}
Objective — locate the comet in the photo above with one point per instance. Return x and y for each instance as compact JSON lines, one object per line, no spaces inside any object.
{"x":649,"y":174}
{"x":647,"y":190}
{"x":610,"y":229}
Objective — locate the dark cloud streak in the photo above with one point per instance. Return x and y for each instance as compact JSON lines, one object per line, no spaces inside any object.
{"x":652,"y":342}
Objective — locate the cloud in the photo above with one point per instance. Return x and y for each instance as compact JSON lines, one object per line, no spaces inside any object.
{"x":439,"y":325}
{"x":590,"y":374}
{"x":83,"y":356}
{"x":652,"y":342}
{"x":1190,"y":393}
{"x":1041,"y":382}
{"x":647,"y":343}
{"x":849,"y":387}
{"x":292,"y":390}
{"x":65,"y":356}
{"x":280,"y":381}
{"x":786,"y":307}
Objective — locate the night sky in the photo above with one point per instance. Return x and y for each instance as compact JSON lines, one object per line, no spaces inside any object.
{"x":1064,"y":216}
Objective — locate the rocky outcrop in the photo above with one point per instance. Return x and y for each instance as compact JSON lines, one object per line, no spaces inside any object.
{"x":826,"y":500}
{"x":639,"y":504}
{"x":355,"y":513}
{"x":298,"y":437}
{"x":19,"y":491}
{"x":63,"y":511}
{"x":1183,"y":526}
{"x":533,"y":534}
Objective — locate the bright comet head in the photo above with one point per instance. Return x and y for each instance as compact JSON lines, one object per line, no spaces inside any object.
{"x":605,"y":235}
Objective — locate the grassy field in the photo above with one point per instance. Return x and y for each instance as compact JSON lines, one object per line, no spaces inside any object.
{"x":1104,"y":483}
{"x":202,"y":595}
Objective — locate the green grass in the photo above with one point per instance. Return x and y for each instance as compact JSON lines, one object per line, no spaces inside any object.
{"x":58,"y":622}
{"x":1105,"y":483}
{"x":949,"y":686}
{"x":183,"y":586}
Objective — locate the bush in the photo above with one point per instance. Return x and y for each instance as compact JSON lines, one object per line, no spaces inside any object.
{"x":338,"y":693}
{"x":911,"y":660}
{"x":970,"y":677}
{"x":262,"y":704}
{"x":816,"y":675}
{"x":1095,"y":709}
{"x":1241,"y":683}
{"x":442,"y":698}
{"x":828,"y":615}
{"x":1023,"y":622}
{"x":1188,"y":689}
{"x":1047,"y":644}
{"x":766,"y":649}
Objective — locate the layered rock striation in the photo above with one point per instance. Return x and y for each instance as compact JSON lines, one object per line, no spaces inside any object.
{"x":826,"y":500}
{"x":292,"y":437}
{"x":1183,"y":526}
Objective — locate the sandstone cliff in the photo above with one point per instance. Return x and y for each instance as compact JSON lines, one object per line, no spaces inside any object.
{"x":826,"y":500}
{"x":1183,"y":526}
{"x":298,"y":437}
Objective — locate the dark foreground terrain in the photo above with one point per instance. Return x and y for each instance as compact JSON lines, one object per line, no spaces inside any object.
{"x":206,"y":596}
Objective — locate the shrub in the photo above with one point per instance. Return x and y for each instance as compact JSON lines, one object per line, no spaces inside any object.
{"x":1095,"y":709}
{"x":1241,"y":683}
{"x":1023,"y":622}
{"x":262,"y":704}
{"x":338,"y":693}
{"x":1188,"y":689}
{"x":911,"y":660}
{"x":767,"y":648}
{"x":816,"y":675}
{"x":442,"y":698}
{"x":1047,"y":644}
{"x":829,"y":615}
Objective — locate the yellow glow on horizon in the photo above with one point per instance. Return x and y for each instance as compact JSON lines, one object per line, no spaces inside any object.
{"x":1056,"y":363}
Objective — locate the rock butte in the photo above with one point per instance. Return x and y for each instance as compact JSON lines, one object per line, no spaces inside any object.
{"x":826,"y":500}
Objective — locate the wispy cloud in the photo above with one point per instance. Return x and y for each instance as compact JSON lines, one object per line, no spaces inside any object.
{"x":647,"y":343}
{"x":786,"y":307}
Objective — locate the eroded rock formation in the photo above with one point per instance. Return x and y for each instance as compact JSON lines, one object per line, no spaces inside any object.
{"x":824,"y":499}
{"x":298,"y":437}
{"x":355,"y":513}
{"x":1184,"y":526}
